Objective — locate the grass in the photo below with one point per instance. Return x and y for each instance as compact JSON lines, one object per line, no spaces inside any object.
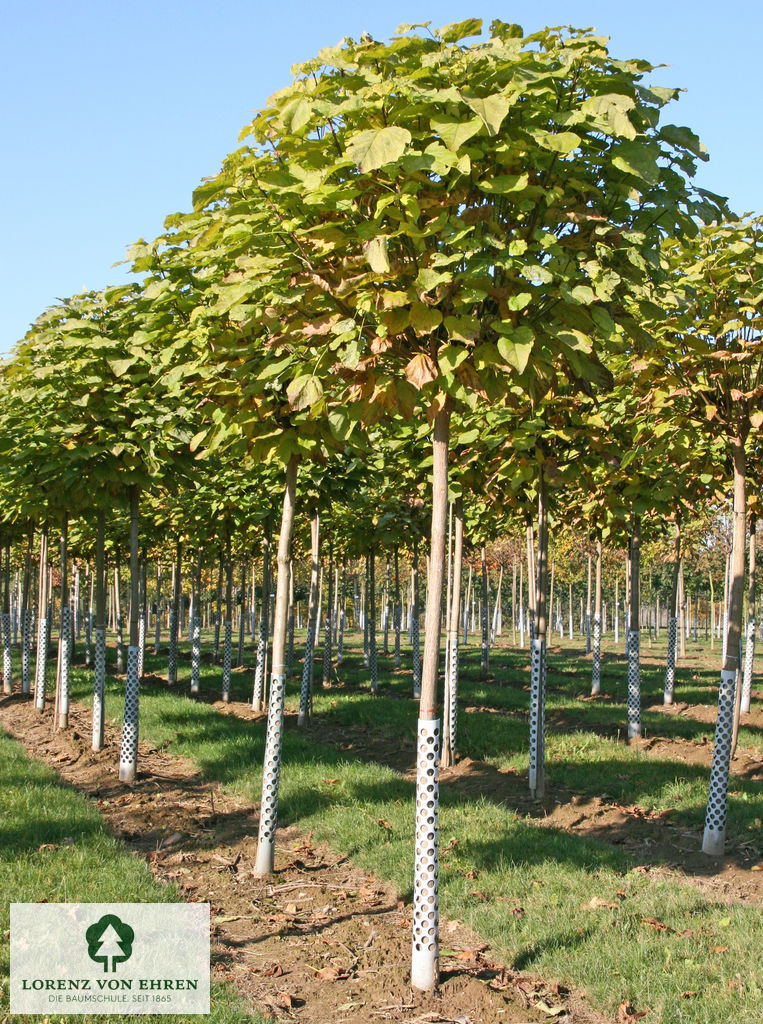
{"x":526,"y":889}
{"x":55,"y":848}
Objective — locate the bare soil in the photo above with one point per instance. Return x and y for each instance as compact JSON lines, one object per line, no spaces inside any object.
{"x":320,"y":941}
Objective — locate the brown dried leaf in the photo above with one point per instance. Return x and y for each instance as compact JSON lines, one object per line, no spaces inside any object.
{"x":597,"y":902}
{"x":688,"y":994}
{"x":626,"y":1013}
{"x":652,"y":922}
{"x":718,"y":949}
{"x":384,"y":824}
{"x":421,"y":370}
{"x":274,"y":971}
{"x":331,"y":974}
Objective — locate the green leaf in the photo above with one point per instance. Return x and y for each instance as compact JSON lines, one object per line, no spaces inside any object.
{"x":461,"y":29}
{"x":515,"y":345}
{"x":454,"y":131}
{"x":519,"y":301}
{"x":450,"y":357}
{"x":304,"y":391}
{"x":636,"y":158}
{"x":376,"y":254}
{"x":424,"y":319}
{"x":491,"y":110}
{"x":120,"y":366}
{"x":374,"y":148}
{"x":557,"y":142}
{"x":504,"y":183}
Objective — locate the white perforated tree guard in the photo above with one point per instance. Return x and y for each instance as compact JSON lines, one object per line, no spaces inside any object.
{"x":88,"y":636}
{"x":340,"y":638}
{"x":128,"y":756}
{"x":587,"y":633}
{"x":41,"y":666}
{"x":195,"y":653}
{"x":227,"y":658}
{"x":259,"y":668}
{"x":157,"y":629}
{"x":416,"y":656}
{"x":453,"y":691}
{"x":596,"y":669}
{"x":749,"y":658}
{"x":270,"y":778}
{"x":670,"y":668}
{"x":172,"y":673}
{"x":141,"y":642}
{"x":425,"y":952}
{"x":537,"y":773}
{"x":290,"y":647}
{"x":634,"y":685}
{"x":63,"y":707}
{"x":714,"y":838}
{"x":7,"y":661}
{"x":99,"y":688}
{"x":26,"y":639}
{"x":307,"y":672}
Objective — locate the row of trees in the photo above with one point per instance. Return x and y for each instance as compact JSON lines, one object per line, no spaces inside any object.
{"x":480,"y":266}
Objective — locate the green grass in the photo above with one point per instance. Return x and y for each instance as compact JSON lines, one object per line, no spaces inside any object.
{"x":494,"y":860}
{"x":54,"y":848}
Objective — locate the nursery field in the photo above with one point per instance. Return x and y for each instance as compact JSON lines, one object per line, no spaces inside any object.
{"x":593,"y":904}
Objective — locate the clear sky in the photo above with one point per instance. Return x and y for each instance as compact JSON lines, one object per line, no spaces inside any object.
{"x":112,"y":111}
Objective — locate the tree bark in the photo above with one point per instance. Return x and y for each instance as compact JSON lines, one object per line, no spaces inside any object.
{"x":306,"y":696}
{"x":717,"y":804}
{"x":454,"y":620}
{"x":99,"y":674}
{"x":537,"y":772}
{"x":128,"y":759}
{"x":425,"y":946}
{"x":596,"y":668}
{"x":634,"y":668}
{"x":273,"y":745}
{"x":744,"y":706}
{"x":670,"y":669}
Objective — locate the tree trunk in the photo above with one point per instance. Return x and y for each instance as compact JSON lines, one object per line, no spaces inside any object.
{"x":6,"y":624}
{"x":196,"y":626}
{"x":749,"y":656}
{"x":258,"y":704}
{"x":172,"y":673}
{"x":415,"y":641}
{"x":306,"y":696}
{"x":596,"y":668}
{"x":128,"y":760}
{"x":329,"y":630}
{"x":99,"y":674}
{"x":634,"y":668}
{"x":228,"y":631}
{"x":218,"y":610}
{"x":454,"y":620}
{"x":271,"y":771}
{"x":26,"y":614}
{"x":397,"y":608}
{"x":588,"y":610}
{"x":514,"y":604}
{"x":118,"y":613}
{"x":42,"y":624}
{"x":670,"y":669}
{"x":485,"y":659}
{"x":425,"y":947}
{"x":142,"y":613}
{"x":290,"y":642}
{"x":537,"y":773}
{"x":717,"y":803}
{"x":372,"y":654}
{"x":531,"y":580}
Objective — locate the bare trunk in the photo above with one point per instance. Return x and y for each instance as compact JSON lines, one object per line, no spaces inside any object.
{"x":537,"y":773}
{"x":425,"y":947}
{"x":99,"y":675}
{"x":717,"y":804}
{"x":596,"y":668}
{"x":454,"y":619}
{"x":273,"y":745}
{"x":670,"y":670}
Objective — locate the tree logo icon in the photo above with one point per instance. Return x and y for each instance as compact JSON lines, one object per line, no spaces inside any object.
{"x":109,"y":939}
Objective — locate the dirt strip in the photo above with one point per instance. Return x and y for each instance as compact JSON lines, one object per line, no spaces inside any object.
{"x":320,"y":941}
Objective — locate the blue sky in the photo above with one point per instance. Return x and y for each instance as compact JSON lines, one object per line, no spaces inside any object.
{"x":113,"y":111}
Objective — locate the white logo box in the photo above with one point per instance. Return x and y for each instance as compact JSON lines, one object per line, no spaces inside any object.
{"x":109,"y":958}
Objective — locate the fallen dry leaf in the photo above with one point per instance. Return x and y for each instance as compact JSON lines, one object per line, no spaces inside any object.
{"x":274,"y":971}
{"x":718,"y":949}
{"x":688,"y":994}
{"x":384,"y":824}
{"x":652,"y":922}
{"x":330,"y":782}
{"x":331,"y":974}
{"x":596,"y":903}
{"x":757,"y":867}
{"x":287,"y":1000}
{"x":290,"y":908}
{"x":626,"y":1013}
